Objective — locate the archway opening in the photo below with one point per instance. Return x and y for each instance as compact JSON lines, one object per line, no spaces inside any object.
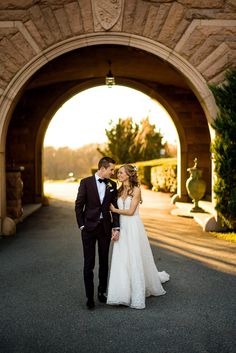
{"x":76,"y":133}
{"x":83,"y":68}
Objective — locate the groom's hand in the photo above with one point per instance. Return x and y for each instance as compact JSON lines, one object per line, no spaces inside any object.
{"x":115,"y":234}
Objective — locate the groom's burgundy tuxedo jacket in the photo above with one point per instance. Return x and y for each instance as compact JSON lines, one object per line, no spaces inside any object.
{"x":88,"y":206}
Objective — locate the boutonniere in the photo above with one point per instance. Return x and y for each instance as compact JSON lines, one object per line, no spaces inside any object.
{"x":109,"y":185}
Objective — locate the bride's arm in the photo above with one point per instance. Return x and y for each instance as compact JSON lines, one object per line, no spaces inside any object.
{"x":134,"y":203}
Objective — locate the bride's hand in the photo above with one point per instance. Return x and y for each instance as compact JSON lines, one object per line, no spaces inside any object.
{"x":115,"y":235}
{"x":112,"y":208}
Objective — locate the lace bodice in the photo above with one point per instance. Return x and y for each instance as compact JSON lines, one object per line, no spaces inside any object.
{"x":124,"y":204}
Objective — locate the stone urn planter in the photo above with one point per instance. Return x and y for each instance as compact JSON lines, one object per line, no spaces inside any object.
{"x":196,"y":186}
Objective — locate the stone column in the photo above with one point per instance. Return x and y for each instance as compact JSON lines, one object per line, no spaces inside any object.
{"x":2,"y":190}
{"x":182,"y":165}
{"x":14,"y":192}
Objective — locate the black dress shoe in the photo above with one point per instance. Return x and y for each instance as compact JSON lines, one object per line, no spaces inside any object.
{"x":102,"y":298}
{"x":90,"y":304}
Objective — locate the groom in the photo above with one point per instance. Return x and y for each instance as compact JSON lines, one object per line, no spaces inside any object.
{"x":95,"y":195}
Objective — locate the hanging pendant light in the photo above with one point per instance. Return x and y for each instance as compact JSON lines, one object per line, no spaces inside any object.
{"x":110,"y":79}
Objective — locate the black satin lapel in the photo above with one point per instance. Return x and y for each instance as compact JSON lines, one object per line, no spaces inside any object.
{"x":107,"y":191}
{"x":96,"y":189}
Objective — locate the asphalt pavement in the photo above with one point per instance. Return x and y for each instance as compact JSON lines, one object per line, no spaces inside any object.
{"x":42,"y":300}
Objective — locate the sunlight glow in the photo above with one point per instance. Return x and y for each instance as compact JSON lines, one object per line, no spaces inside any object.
{"x":84,"y":118}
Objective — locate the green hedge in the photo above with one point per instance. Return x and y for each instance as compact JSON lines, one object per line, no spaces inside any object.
{"x":145,"y":170}
{"x":156,"y":174}
{"x":164,"y":178}
{"x":144,"y":176}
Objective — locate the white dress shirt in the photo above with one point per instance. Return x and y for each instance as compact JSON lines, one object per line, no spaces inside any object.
{"x":101,"y":188}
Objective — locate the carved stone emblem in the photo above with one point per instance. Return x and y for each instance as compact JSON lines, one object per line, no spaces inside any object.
{"x":107,"y":12}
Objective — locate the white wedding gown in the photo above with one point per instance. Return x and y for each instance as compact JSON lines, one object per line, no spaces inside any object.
{"x":133,"y":273}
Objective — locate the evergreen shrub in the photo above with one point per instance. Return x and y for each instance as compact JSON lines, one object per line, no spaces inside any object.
{"x":224,"y":149}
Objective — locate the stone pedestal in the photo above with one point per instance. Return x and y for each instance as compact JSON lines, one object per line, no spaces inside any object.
{"x":14,"y":190}
{"x":196,"y":186}
{"x":9,"y":227}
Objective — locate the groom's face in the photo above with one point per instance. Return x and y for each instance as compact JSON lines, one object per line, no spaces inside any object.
{"x":109,"y":171}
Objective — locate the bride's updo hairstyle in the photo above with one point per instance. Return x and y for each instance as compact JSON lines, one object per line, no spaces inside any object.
{"x":132,"y":172}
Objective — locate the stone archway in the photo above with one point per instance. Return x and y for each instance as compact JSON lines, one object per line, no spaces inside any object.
{"x":33,"y":178}
{"x":194,"y":39}
{"x":161,"y":93}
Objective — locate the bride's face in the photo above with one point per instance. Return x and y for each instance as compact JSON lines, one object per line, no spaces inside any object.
{"x":122,"y":175}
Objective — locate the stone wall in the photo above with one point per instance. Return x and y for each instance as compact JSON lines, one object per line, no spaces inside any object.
{"x":202,"y":31}
{"x":14,"y":190}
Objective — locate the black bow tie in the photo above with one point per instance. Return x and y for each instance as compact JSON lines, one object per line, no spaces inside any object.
{"x":103,"y":180}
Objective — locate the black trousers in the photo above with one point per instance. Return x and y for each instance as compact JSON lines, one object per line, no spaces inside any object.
{"x":89,"y":240}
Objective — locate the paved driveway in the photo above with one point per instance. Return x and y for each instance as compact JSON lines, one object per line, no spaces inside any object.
{"x":42,"y":302}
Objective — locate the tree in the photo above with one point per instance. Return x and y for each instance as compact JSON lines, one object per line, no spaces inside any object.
{"x":224,"y":149}
{"x":129,"y":142}
{"x":120,"y":137}
{"x":58,"y":163}
{"x":148,"y":142}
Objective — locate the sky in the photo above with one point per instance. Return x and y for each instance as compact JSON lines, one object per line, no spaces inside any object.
{"x":84,"y":118}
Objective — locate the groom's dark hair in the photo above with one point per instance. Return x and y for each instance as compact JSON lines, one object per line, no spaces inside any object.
{"x":105,"y":161}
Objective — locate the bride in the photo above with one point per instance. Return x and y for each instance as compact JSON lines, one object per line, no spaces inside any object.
{"x":133,"y":273}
